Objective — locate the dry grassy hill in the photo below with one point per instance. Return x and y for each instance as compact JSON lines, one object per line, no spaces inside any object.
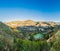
{"x":14,"y":24}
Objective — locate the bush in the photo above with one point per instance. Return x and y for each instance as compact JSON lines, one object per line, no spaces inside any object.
{"x":26,"y":45}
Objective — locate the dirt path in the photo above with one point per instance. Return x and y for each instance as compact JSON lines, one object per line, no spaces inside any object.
{"x":53,"y":36}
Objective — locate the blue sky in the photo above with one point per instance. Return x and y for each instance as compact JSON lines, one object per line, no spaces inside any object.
{"x":38,"y":10}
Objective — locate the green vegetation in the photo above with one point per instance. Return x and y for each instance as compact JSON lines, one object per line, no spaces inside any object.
{"x":26,"y":45}
{"x":14,"y":40}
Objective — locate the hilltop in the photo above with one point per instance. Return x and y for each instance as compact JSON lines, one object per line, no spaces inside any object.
{"x":15,"y":24}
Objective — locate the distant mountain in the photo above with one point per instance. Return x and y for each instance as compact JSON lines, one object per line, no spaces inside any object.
{"x":29,"y":23}
{"x":21,"y":23}
{"x":14,"y":24}
{"x":42,"y":24}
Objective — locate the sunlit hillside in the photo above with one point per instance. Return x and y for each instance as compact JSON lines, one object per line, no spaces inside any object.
{"x":15,"y":24}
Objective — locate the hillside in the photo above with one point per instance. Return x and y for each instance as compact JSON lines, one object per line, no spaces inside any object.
{"x":12,"y":39}
{"x":5,"y":33}
{"x":15,"y":24}
{"x":8,"y":42}
{"x":55,"y":36}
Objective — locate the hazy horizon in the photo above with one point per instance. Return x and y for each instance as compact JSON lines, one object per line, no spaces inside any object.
{"x":30,"y":19}
{"x":37,"y":10}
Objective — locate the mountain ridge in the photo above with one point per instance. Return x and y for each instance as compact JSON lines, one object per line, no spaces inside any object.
{"x":29,"y":23}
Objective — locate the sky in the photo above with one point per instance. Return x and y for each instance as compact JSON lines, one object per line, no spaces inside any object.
{"x":37,"y":10}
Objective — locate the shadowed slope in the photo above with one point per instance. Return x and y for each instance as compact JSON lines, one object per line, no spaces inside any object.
{"x":5,"y":33}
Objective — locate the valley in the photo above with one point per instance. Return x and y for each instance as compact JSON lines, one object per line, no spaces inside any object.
{"x":14,"y":37}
